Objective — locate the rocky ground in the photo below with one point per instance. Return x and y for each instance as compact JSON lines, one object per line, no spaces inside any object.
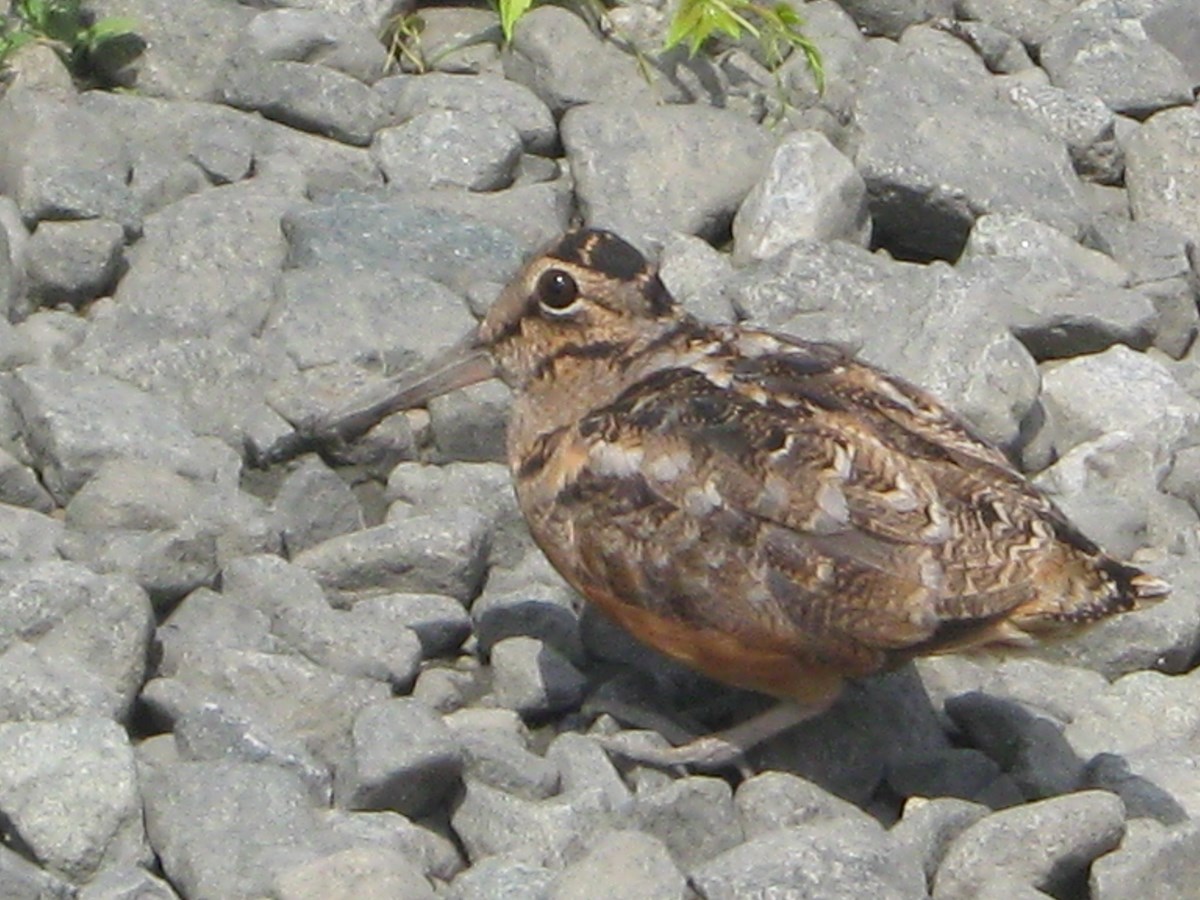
{"x":351,"y":675}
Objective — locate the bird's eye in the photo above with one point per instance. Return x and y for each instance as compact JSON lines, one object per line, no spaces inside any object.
{"x":556,"y":290}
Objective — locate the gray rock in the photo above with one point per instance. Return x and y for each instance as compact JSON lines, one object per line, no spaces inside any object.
{"x":169,"y":533}
{"x":415,"y":489}
{"x":213,"y":732}
{"x":88,"y":634}
{"x":1159,"y":782}
{"x":317,"y":36}
{"x":391,"y":234}
{"x":329,"y":313}
{"x":531,"y":600}
{"x":44,"y":685}
{"x":370,"y":873}
{"x":1117,"y":390}
{"x":490,"y":822}
{"x":1002,"y":53}
{"x":1045,"y":845}
{"x":442,"y":553}
{"x":648,"y":171}
{"x":842,"y":44}
{"x":19,"y":486}
{"x":314,"y":504}
{"x":1183,"y":480}
{"x":1058,"y":298}
{"x":470,"y":425}
{"x":773,"y":800}
{"x":557,"y":56}
{"x":126,"y":883}
{"x":502,"y":878}
{"x":21,"y":879}
{"x":631,"y":865}
{"x":174,"y":323}
{"x":943,"y":149}
{"x":584,"y":766}
{"x":1162,"y":173}
{"x":1043,"y":247}
{"x":928,"y":826}
{"x":8,"y":272}
{"x":497,"y":756}
{"x":227,"y":829}
{"x":177,"y":148}
{"x":1082,"y":121}
{"x":890,"y":19}
{"x":830,"y":861}
{"x":963,"y":773}
{"x":346,"y":642}
{"x":1007,"y":887}
{"x":1031,"y":21}
{"x":373,"y":15}
{"x":28,"y":536}
{"x":1045,"y":688}
{"x":274,"y":692}
{"x":1138,"y":711}
{"x":60,"y":161}
{"x":69,"y":791}
{"x":205,"y":618}
{"x":435,"y":853}
{"x":1154,"y":255}
{"x":439,"y":622}
{"x":534,"y":211}
{"x":878,"y":724}
{"x":939,"y":334}
{"x":403,"y":758}
{"x":809,"y":192}
{"x":694,"y":817}
{"x":1030,"y":747}
{"x":1107,"y":487}
{"x":47,"y":337}
{"x":1116,"y":61}
{"x":689,"y":266}
{"x":533,"y":678}
{"x":461,"y":40}
{"x":1176,"y":26}
{"x":427,"y":151}
{"x":173,"y":64}
{"x":488,"y":96}
{"x":37,"y":67}
{"x":72,"y":262}
{"x":134,"y":496}
{"x":1152,"y":863}
{"x":181,"y":147}
{"x":308,"y":97}
{"x":446,"y":689}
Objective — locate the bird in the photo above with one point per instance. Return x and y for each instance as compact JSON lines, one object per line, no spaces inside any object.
{"x":767,"y":510}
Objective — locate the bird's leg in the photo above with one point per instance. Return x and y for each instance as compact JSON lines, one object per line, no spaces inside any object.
{"x":722,"y":748}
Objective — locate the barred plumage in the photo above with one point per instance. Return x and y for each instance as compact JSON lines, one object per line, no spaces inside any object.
{"x":768,"y":510}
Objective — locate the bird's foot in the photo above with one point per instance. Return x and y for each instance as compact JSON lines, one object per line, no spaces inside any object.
{"x":706,"y":754}
{"x":720,"y":749}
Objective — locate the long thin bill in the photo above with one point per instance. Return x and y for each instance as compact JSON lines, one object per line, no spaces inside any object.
{"x":464,"y":364}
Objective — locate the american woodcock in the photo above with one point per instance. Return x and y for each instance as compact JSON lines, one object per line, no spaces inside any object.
{"x":765,"y":509}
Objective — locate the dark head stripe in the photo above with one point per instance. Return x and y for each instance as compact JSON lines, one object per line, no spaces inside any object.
{"x":602,"y":251}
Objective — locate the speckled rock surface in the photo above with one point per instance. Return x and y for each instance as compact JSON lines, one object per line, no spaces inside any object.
{"x":352,"y":674}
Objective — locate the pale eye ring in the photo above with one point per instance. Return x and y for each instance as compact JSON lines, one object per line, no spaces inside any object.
{"x":556,"y":291}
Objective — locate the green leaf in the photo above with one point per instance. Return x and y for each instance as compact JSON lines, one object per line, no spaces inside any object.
{"x":111,"y":27}
{"x":510,"y":13}
{"x":686,"y":20}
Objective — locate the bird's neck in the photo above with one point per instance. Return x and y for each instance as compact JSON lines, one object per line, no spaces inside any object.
{"x":569,"y":383}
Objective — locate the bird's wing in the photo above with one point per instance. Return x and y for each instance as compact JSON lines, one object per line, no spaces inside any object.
{"x":840,"y":503}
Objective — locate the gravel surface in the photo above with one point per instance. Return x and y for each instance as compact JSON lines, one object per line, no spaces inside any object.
{"x":352,"y":675}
